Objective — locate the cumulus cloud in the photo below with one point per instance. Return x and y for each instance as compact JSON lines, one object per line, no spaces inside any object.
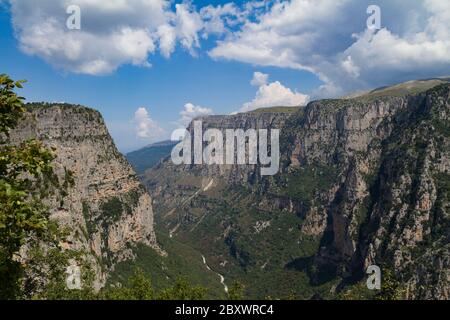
{"x":259,"y":79}
{"x":284,"y":34}
{"x":326,"y":37}
{"x":146,"y":127}
{"x":330,"y":39}
{"x":349,"y":67}
{"x":191,"y":112}
{"x":272,"y":94}
{"x":112,"y":33}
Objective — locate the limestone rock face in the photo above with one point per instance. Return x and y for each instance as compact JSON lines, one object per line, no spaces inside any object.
{"x":362,"y":181}
{"x":106,"y":207}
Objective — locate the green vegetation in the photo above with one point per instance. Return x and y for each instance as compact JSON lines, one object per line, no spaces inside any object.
{"x":22,"y":213}
{"x":304,"y":183}
{"x":236,"y":291}
{"x":258,"y":260}
{"x":48,"y":267}
{"x":182,"y":290}
{"x":139,"y":287}
{"x":402,"y":89}
{"x":252,"y":234}
{"x":441,"y":218}
{"x":112,"y":208}
{"x":391,"y":288}
{"x":182,"y":262}
{"x":90,"y":227}
{"x":26,"y":177}
{"x":131,"y":198}
{"x":442,"y":126}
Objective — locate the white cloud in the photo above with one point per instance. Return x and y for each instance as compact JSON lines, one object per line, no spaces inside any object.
{"x":349,"y":67}
{"x":273,"y":94}
{"x":113,"y":32}
{"x":189,"y":25}
{"x":259,"y":79}
{"x":328,"y":38}
{"x":191,"y":112}
{"x":325,"y":37}
{"x":285,"y":34}
{"x":389,"y":53}
{"x":218,"y":18}
{"x":167,"y":39}
{"x":146,"y":127}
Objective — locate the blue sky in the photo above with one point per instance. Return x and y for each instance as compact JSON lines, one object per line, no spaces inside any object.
{"x":301,"y":50}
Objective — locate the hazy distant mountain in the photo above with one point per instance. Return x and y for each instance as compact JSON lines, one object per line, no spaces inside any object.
{"x":150,"y":155}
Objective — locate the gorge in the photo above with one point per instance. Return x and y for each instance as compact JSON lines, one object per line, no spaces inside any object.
{"x":362,"y":181}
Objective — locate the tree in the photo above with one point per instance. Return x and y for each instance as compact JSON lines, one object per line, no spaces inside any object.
{"x":236,"y":291}
{"x":357,"y":291}
{"x":391,"y":288}
{"x":47,"y":271}
{"x":25,"y":176}
{"x":182,"y":290}
{"x":139,"y":287}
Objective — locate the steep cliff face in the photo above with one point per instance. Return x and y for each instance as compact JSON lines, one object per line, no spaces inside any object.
{"x":362,"y":181}
{"x":409,"y":222}
{"x":231,"y":173}
{"x":392,"y":155}
{"x":103,"y":203}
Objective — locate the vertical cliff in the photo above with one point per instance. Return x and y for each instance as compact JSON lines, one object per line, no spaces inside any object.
{"x":103,"y":202}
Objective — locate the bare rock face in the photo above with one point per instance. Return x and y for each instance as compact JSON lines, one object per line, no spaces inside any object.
{"x":236,"y":173}
{"x":390,"y":205}
{"x":105,"y":206}
{"x":362,"y":181}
